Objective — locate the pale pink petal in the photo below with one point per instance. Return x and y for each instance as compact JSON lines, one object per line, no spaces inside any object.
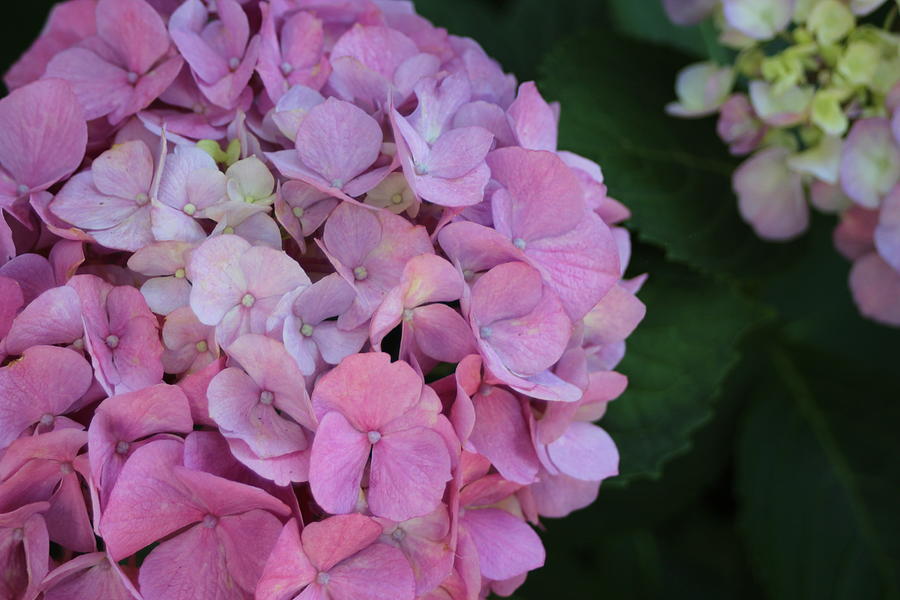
{"x":501,"y":435}
{"x":506,"y":545}
{"x":42,"y":133}
{"x":409,"y":470}
{"x":339,"y":454}
{"x":379,"y":572}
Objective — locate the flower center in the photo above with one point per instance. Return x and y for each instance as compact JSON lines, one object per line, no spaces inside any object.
{"x":396,"y":199}
{"x":189,"y":209}
{"x":519,"y":243}
{"x":248,"y":300}
{"x":421,"y":169}
{"x":298,"y":211}
{"x":407,"y":314}
{"x":179,"y":273}
{"x":468,"y":274}
{"x":18,"y":534}
{"x":323,"y":578}
{"x":398,"y":534}
{"x":201,"y":346}
{"x":141,"y":199}
{"x":78,"y":344}
{"x":210,"y":521}
{"x":374,"y":437}
{"x":485,"y":389}
{"x":286,"y":68}
{"x":337,"y":183}
{"x":229,"y":230}
{"x":306,"y":330}
{"x":267,"y":398}
{"x":66,"y":468}
{"x":132,"y":77}
{"x":23,"y":189}
{"x":122,"y":447}
{"x":47,"y":419}
{"x":360,"y":273}
{"x":112,"y":340}
{"x":486,"y":332}
{"x":234,"y":62}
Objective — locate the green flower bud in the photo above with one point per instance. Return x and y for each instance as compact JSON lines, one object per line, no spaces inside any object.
{"x":859,"y":63}
{"x":827,"y":112}
{"x":831,"y":21}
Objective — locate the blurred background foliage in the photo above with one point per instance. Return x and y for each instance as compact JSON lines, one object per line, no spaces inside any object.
{"x":760,"y":435}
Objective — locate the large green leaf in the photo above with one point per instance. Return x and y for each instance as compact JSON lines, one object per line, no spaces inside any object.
{"x":518,"y":33}
{"x":673,"y":174}
{"x":819,"y":479}
{"x":676,"y":362}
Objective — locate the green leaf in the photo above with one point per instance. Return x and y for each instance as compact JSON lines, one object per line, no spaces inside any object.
{"x":517,"y":33}
{"x":676,"y":362}
{"x":647,"y":21}
{"x":674,"y":174}
{"x":818,"y":478}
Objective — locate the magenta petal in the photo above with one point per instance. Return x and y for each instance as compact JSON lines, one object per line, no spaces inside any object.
{"x":390,"y":390}
{"x":287,"y":570}
{"x":506,"y":545}
{"x":585,"y":452}
{"x":379,"y":572}
{"x":533,"y":120}
{"x":46,"y":381}
{"x":338,"y":141}
{"x":86,"y":576}
{"x":501,"y":435}
{"x":146,"y":482}
{"x":42,"y":133}
{"x":409,"y":470}
{"x":134,"y":30}
{"x":339,"y":454}
{"x":11,"y":301}
{"x":337,"y":538}
{"x":100,"y":86}
{"x":162,"y":576}
{"x":442,"y":333}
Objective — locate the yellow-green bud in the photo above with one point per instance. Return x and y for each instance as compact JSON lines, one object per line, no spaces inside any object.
{"x":831,"y":21}
{"x":827,"y":112}
{"x":859,"y":63}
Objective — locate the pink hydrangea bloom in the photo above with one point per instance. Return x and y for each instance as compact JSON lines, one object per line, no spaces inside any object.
{"x":245,"y":238}
{"x":396,"y":423}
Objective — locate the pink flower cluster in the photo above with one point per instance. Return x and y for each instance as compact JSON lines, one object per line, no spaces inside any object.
{"x":214,"y":218}
{"x":820,"y":120}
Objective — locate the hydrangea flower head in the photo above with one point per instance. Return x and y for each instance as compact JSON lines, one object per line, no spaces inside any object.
{"x":819,"y":119}
{"x":313,"y":306}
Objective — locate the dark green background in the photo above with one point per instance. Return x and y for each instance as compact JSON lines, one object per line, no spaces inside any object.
{"x":759,"y":435}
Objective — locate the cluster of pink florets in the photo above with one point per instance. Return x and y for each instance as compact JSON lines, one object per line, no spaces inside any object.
{"x":820,"y":121}
{"x":215,"y":216}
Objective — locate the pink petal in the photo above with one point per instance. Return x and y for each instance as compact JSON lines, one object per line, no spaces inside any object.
{"x":585,"y":452}
{"x":875,"y":286}
{"x":506,"y":545}
{"x":442,"y":334}
{"x":409,"y":470}
{"x":147,"y":502}
{"x":163,"y":576}
{"x":218,"y":280}
{"x":287,"y":570}
{"x":389,"y":389}
{"x":339,"y":454}
{"x":42,"y":133}
{"x":46,"y":381}
{"x":134,"y":30}
{"x":558,"y":495}
{"x":332,"y":540}
{"x":379,"y":572}
{"x":770,"y":196}
{"x":338,"y":141}
{"x":533,"y":120}
{"x":501,"y":435}
{"x":86,"y":576}
{"x":100,"y":86}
